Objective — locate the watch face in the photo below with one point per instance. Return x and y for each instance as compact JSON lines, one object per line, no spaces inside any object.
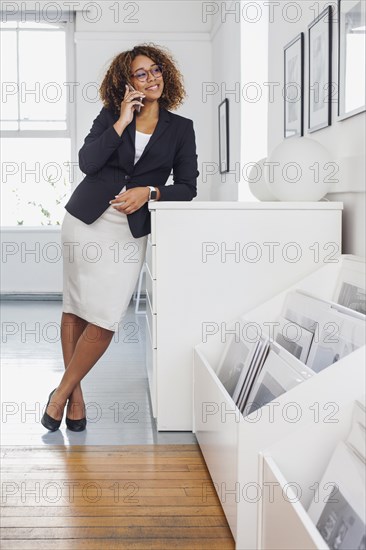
{"x":153,"y":195}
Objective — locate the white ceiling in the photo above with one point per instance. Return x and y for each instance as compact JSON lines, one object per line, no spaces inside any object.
{"x":191,"y":16}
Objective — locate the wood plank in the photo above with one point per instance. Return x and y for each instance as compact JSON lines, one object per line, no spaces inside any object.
{"x":103,"y":452}
{"x":100,"y":468}
{"x":108,"y":544}
{"x":117,"y":476}
{"x":78,"y":485}
{"x":103,"y":511}
{"x":197,"y":467}
{"x":121,"y":521}
{"x":76,"y":448}
{"x":97,"y":461}
{"x":155,"y":500}
{"x":112,"y":532}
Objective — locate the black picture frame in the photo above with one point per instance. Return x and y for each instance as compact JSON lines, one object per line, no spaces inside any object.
{"x":320,"y":88}
{"x":223,"y":113}
{"x":345,"y":21}
{"x":294,"y":87}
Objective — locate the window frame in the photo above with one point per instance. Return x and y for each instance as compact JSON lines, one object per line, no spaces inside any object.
{"x":70,"y":77}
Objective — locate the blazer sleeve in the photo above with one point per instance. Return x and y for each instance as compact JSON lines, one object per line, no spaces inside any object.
{"x":99,"y":145}
{"x":185,"y":170}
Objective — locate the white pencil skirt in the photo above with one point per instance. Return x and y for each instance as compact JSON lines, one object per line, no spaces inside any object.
{"x":101,"y":266}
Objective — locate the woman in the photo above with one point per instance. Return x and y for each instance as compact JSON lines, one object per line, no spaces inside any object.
{"x":135,"y":139}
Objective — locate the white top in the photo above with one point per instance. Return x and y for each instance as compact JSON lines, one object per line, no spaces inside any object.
{"x":141,"y":140}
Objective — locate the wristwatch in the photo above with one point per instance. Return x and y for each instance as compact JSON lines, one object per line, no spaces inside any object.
{"x":153,"y":195}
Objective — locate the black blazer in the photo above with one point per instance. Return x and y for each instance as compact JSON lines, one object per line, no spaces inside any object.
{"x":107,"y":159}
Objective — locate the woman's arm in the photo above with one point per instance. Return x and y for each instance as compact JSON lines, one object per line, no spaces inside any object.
{"x":185,"y":170}
{"x":99,"y":144}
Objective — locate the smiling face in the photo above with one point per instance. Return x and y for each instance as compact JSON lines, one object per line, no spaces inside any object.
{"x":153,"y":86}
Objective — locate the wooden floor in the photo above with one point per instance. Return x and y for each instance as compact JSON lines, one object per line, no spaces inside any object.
{"x":134,"y":497}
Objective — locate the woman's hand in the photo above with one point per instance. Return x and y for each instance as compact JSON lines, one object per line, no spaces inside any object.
{"x":131,"y":200}
{"x":127,"y":106}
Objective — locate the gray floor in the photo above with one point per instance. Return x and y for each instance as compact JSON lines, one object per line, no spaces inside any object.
{"x":115,"y":390}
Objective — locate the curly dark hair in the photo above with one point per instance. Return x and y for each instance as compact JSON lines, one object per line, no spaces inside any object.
{"x":112,"y":89}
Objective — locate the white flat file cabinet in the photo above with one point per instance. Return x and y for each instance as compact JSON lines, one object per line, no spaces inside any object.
{"x":249,"y":456}
{"x":208,"y":262}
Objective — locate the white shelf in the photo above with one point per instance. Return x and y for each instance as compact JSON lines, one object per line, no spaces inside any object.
{"x":232,"y":444}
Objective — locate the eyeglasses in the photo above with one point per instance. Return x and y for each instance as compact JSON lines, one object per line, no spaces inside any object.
{"x":156,"y":71}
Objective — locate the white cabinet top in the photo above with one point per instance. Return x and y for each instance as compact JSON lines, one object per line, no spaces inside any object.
{"x":238,"y":205}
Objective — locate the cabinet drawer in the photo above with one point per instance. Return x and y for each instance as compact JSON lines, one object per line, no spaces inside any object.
{"x":151,"y":258}
{"x":151,"y":322}
{"x":152,"y":235}
{"x":151,"y":290}
{"x":150,"y":355}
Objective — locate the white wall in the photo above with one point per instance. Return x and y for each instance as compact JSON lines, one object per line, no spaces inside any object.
{"x":226,"y":72}
{"x":31,"y":260}
{"x":254,"y":97}
{"x":345,"y":140}
{"x":240,"y":71}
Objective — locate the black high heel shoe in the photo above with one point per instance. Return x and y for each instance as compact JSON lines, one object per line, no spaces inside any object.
{"x":76,"y":425}
{"x":47,"y":421}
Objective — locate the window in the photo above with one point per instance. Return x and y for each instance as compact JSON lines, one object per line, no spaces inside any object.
{"x":37,"y":110}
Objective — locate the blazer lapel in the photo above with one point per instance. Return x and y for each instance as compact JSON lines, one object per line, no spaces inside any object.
{"x":160,"y":128}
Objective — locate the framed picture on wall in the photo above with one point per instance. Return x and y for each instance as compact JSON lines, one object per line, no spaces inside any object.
{"x":351,"y":57}
{"x":294,"y":87}
{"x":320,"y":71}
{"x":224,"y":136}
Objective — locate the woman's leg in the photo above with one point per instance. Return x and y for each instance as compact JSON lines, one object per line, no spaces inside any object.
{"x":90,"y":346}
{"x":72,"y":327}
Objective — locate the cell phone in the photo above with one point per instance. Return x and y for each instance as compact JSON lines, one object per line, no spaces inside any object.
{"x":132,"y":89}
